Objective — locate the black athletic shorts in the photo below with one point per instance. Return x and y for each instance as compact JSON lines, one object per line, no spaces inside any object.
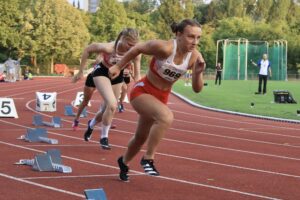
{"x":89,"y":82}
{"x":101,"y":70}
{"x":127,"y":79}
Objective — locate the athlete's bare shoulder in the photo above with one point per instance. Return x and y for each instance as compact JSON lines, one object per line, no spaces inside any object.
{"x":101,"y":47}
{"x":159,"y":48}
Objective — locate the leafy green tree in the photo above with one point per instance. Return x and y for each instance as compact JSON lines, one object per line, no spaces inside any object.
{"x":9,"y":24}
{"x":234,"y":28}
{"x":51,"y":34}
{"x":108,"y":21}
{"x":172,"y":11}
{"x":208,"y":46}
{"x":279,"y":10}
{"x":262,"y":10}
{"x":141,"y":6}
{"x":293,"y":18}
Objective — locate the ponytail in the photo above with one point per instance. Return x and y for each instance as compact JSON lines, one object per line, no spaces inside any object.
{"x":179,"y":27}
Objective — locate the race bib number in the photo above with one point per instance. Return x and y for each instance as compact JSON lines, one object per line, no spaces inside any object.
{"x":170,"y":73}
{"x":7,"y":108}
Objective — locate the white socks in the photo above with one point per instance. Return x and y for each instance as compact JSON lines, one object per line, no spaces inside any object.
{"x":93,"y":123}
{"x":104,"y":131}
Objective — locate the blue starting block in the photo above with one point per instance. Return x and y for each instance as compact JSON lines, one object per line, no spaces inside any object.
{"x":47,"y":162}
{"x":38,"y":121}
{"x":95,"y":194}
{"x":69,"y":111}
{"x":38,"y":135}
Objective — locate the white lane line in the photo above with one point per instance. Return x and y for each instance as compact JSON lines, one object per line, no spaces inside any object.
{"x":25,"y":87}
{"x":196,"y":132}
{"x":161,"y":177}
{"x":47,"y":88}
{"x":227,"y":127}
{"x":222,"y":136}
{"x":218,"y":188}
{"x":285,"y":145}
{"x":179,"y":157}
{"x":79,"y":176}
{"x":216,"y":119}
{"x":239,"y":122}
{"x":61,"y":145}
{"x":198,"y":144}
{"x":41,"y":185}
{"x":220,"y":126}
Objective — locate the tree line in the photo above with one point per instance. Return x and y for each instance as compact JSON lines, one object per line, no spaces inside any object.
{"x":44,"y":32}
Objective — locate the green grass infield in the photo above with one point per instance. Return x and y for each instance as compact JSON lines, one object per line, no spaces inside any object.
{"x":237,"y":96}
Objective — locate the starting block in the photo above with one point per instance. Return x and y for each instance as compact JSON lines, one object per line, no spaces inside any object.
{"x":48,"y":162}
{"x":38,"y":135}
{"x":95,"y":194}
{"x":38,"y":121}
{"x":69,"y":112}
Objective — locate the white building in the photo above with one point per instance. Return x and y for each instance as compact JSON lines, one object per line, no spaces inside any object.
{"x":93,"y":5}
{"x":89,"y":5}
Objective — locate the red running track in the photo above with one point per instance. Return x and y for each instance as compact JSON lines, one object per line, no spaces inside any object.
{"x":205,"y":155}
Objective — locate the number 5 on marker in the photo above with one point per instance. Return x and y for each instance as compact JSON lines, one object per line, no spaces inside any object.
{"x":7,"y":108}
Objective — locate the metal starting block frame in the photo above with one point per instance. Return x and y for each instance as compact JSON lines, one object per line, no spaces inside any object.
{"x":47,"y":162}
{"x":38,"y":135}
{"x":38,"y":121}
{"x":95,"y":194}
{"x":69,"y":111}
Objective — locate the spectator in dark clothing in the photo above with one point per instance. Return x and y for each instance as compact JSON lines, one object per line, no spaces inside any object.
{"x":219,"y":69}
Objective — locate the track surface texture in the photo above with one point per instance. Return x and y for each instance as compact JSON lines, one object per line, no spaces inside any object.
{"x":204,"y":155}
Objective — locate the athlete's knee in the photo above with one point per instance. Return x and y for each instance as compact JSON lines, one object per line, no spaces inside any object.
{"x":166,"y":117}
{"x":112,"y":106}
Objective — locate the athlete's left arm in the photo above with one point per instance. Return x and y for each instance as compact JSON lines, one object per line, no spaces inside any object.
{"x":198,"y":69}
{"x":137,"y":68}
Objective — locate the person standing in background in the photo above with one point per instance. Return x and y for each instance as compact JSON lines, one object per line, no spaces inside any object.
{"x":264,"y":70}
{"x":219,"y":69}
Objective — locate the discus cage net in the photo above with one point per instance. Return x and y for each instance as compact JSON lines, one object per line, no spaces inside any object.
{"x":236,"y":56}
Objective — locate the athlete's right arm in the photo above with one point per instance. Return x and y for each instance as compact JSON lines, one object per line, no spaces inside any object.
{"x":156,"y":48}
{"x":92,"y":48}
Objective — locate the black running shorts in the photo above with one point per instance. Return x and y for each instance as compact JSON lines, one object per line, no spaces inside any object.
{"x":89,"y":82}
{"x":127,"y":79}
{"x":101,"y":70}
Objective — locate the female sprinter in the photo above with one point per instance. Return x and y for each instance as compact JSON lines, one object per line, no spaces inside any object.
{"x":88,"y":90}
{"x":149,"y":96}
{"x":109,"y":89}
